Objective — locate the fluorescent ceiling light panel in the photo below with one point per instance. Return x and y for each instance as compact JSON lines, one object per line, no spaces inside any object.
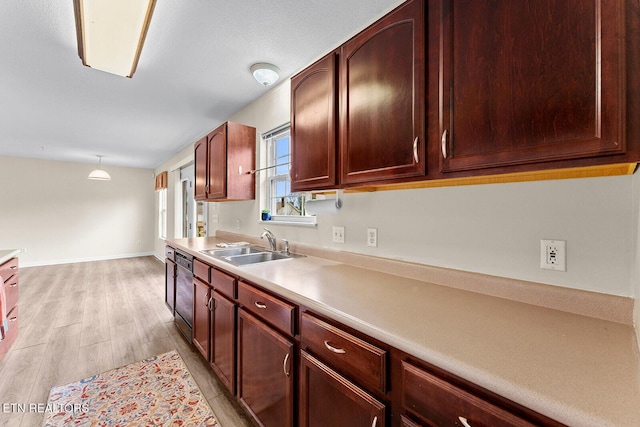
{"x":111,"y":33}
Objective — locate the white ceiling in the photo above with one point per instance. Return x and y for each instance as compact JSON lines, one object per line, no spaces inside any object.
{"x":193,"y":73}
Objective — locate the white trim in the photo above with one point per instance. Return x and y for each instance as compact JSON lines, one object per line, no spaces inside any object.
{"x":76,"y":260}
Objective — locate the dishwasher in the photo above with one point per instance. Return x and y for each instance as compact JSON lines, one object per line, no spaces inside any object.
{"x":184,"y":294}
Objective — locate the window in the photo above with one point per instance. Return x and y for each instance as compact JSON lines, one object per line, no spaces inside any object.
{"x":279,"y":200}
{"x":162,"y":213}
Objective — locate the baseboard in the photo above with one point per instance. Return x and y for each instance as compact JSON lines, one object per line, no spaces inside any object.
{"x":91,"y":259}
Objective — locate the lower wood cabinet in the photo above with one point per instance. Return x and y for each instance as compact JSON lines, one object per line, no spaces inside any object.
{"x":201,"y":316}
{"x":222,"y":357}
{"x":266,"y":372}
{"x":430,"y":400}
{"x":329,"y":399}
{"x":291,"y":367}
{"x":9,"y":279}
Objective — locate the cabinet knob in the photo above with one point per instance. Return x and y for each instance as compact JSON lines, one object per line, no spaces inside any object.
{"x":260,"y":305}
{"x":284,"y":365}
{"x":464,"y":422}
{"x":374,"y":423}
{"x":444,"y":144}
{"x":416,"y":159}
{"x":333,"y":349}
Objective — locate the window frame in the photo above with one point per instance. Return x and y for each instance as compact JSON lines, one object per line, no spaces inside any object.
{"x":274,"y":174}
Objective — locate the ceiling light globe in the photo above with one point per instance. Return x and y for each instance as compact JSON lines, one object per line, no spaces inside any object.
{"x":265,"y":74}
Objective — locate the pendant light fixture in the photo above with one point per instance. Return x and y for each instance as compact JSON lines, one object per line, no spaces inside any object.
{"x":111,"y":33}
{"x":265,"y":74}
{"x":99,"y":174}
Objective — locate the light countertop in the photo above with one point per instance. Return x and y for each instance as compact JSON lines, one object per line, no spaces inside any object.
{"x":575,"y":369}
{"x":7,"y":254}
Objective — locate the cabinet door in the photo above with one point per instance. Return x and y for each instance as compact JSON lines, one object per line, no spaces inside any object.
{"x":223,"y":340}
{"x":382,"y":115}
{"x":201,"y":320}
{"x":201,"y":173}
{"x":265,"y":372}
{"x":217,"y":163}
{"x":529,"y":81}
{"x":170,"y":285}
{"x":313,"y":126}
{"x":328,"y":399}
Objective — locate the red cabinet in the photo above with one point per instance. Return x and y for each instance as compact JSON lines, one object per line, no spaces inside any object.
{"x":314,"y":138}
{"x":382,"y":99}
{"x":223,"y":339}
{"x":528,"y":82}
{"x":201,"y":316}
{"x":266,"y":372}
{"x":223,"y":161}
{"x":10,"y":277}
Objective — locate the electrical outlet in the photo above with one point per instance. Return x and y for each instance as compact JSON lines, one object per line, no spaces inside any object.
{"x":214,"y":219}
{"x":553,"y":255}
{"x":237,"y":224}
{"x":338,"y":234}
{"x":372,"y":237}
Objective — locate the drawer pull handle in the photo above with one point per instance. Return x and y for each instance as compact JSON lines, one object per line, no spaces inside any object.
{"x":464,"y":422}
{"x":13,"y":285}
{"x":13,"y":267}
{"x":284,"y":365}
{"x":444,"y":144}
{"x":334,"y":349}
{"x":260,"y":305}
{"x":415,"y":150}
{"x":375,"y":422}
{"x":13,"y":319}
{"x":211,"y":304}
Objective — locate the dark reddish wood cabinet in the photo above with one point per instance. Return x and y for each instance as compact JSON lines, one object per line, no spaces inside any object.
{"x":223,"y":161}
{"x":430,"y":400}
{"x":524,"y":82}
{"x":329,"y":399}
{"x":314,"y":138}
{"x":223,"y":339}
{"x":9,"y":272}
{"x":266,"y":371}
{"x":201,"y":316}
{"x":382,"y":99}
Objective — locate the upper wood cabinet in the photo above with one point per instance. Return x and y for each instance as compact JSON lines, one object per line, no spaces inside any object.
{"x":314,"y":126}
{"x":382,"y":99}
{"x":223,"y":161}
{"x":360,"y":117}
{"x":523,"y":82}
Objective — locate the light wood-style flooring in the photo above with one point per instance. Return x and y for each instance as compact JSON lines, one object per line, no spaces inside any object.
{"x":77,"y":320}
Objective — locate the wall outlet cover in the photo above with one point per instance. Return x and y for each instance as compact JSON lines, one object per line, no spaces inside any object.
{"x":553,"y":255}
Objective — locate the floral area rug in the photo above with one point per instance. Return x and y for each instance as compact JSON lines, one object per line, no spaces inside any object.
{"x":153,"y":392}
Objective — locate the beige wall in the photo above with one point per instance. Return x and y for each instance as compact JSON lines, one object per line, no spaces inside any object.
{"x":53,"y":211}
{"x":492,"y":229}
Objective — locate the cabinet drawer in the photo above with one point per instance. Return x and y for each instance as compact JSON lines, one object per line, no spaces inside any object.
{"x":170,"y":253}
{"x":223,"y":283}
{"x":279,"y":313}
{"x":434,"y":401}
{"x":12,"y":334}
{"x":202,"y":271}
{"x":11,"y":291}
{"x":9,"y":268}
{"x":349,"y":355}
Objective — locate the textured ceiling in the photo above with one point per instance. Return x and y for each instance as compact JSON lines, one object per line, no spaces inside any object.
{"x":193,"y":73}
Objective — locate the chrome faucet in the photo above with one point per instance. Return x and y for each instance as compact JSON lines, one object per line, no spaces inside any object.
{"x":270,"y":237}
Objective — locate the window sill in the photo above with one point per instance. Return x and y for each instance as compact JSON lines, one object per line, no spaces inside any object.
{"x":289,"y":223}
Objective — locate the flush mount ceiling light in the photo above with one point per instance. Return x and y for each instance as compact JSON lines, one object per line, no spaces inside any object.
{"x":100,"y":174}
{"x":265,"y":74}
{"x":111,"y":33}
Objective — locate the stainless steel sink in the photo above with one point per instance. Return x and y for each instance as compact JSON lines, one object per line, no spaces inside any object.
{"x":221,"y":253}
{"x":248,"y":255}
{"x":256,"y":257}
